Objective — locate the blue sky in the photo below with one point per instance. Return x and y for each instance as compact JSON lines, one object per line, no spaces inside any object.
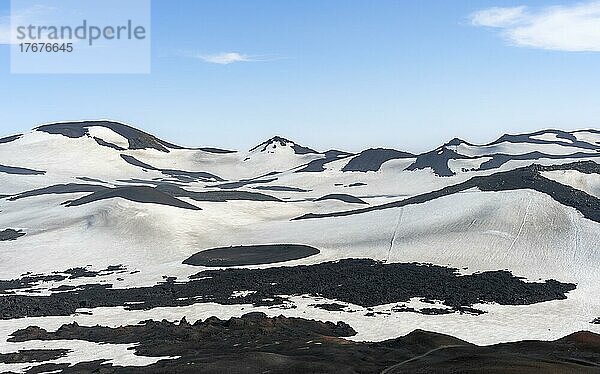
{"x":337,"y":74}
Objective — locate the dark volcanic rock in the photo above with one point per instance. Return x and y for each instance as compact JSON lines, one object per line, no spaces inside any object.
{"x":255,"y":343}
{"x":576,"y":353}
{"x":107,"y":144}
{"x":500,"y":159}
{"x":140,"y":194}
{"x":11,"y":138}
{"x":88,"y":179}
{"x":10,"y":234}
{"x":243,"y":182}
{"x":216,"y":150}
{"x":19,"y":171}
{"x":137,"y":139}
{"x":34,"y":355}
{"x":342,"y":197}
{"x":317,"y":166}
{"x":165,"y":193}
{"x":182,"y":175}
{"x":250,"y":255}
{"x":523,"y":178}
{"x":32,"y":280}
{"x":28,"y":281}
{"x":332,"y":307}
{"x":280,"y":189}
{"x":279,"y":141}
{"x":215,"y":196}
{"x":60,"y":189}
{"x":360,"y":282}
{"x":370,"y":283}
{"x":596,"y":321}
{"x":372,"y":159}
{"x":565,"y":139}
{"x":437,"y":160}
{"x":586,"y":167}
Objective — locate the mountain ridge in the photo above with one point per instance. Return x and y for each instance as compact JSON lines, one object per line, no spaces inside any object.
{"x":140,"y":139}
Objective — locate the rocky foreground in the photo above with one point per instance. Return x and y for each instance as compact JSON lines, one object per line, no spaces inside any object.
{"x":255,"y":343}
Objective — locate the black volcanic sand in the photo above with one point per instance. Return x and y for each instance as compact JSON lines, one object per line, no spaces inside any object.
{"x":362,"y":282}
{"x":137,"y":139}
{"x":359,"y":184}
{"x":32,"y":280}
{"x":317,"y":166}
{"x":216,"y":150}
{"x":437,"y":160}
{"x":332,"y":307}
{"x":250,"y":255}
{"x":576,"y":353}
{"x":11,"y":138}
{"x":570,"y":139}
{"x":93,"y":180}
{"x":162,"y":193}
{"x":60,"y":189}
{"x":181,"y":175}
{"x":107,"y":144}
{"x":586,"y":167}
{"x":523,"y":178}
{"x":243,"y":183}
{"x":34,"y":355}
{"x":596,"y":321}
{"x":10,"y":234}
{"x":215,"y":196}
{"x":500,"y":159}
{"x":255,"y":343}
{"x":372,"y":159}
{"x":342,"y":197}
{"x":19,"y":171}
{"x":279,"y":141}
{"x":280,"y":188}
{"x":140,"y":194}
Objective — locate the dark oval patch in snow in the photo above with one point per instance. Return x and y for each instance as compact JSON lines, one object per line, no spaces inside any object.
{"x":250,"y":255}
{"x":342,"y":197}
{"x":10,"y":234}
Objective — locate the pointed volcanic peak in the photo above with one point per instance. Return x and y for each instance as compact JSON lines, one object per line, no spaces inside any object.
{"x":278,"y":144}
{"x":438,"y":161}
{"x":110,"y":134}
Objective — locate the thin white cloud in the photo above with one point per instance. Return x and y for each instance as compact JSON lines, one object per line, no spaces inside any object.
{"x":573,"y":28}
{"x":498,"y":17}
{"x":225,"y":58}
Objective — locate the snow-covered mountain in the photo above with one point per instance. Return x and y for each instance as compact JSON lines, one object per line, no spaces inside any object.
{"x":96,"y":217}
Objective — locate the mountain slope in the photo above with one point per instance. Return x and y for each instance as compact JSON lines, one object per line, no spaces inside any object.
{"x":100,"y":219}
